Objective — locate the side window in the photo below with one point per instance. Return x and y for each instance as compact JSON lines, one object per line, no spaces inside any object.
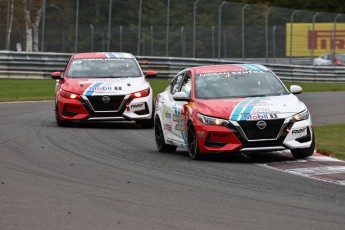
{"x":186,"y":85}
{"x":176,"y":83}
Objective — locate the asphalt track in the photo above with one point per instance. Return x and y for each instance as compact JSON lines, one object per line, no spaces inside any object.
{"x":110,"y":176}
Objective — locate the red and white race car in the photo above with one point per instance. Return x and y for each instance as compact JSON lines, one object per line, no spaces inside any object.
{"x":232,"y":108}
{"x":103,"y":87}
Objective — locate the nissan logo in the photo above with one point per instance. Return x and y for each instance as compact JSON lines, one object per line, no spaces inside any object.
{"x":261,"y":124}
{"x":105,"y":99}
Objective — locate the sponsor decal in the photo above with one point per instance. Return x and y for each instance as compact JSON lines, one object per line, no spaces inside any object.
{"x":105,"y":88}
{"x":299,"y":132}
{"x":136,"y":107}
{"x":163,"y":112}
{"x":168,"y":127}
{"x":319,"y":37}
{"x":167,"y":115}
{"x":170,"y":142}
{"x":259,"y":116}
{"x":253,"y":109}
{"x":231,"y":73}
{"x":260,"y":110}
{"x":100,"y":88}
{"x":180,"y":119}
{"x":179,"y":127}
{"x":180,"y":122}
{"x":177,"y":118}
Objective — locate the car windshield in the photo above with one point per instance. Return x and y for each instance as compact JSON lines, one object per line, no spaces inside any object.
{"x":103,"y":68}
{"x":238,"y":84}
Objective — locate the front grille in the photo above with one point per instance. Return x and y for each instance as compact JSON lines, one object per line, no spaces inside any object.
{"x":261,"y":144}
{"x":271,"y":130}
{"x":98,"y":105}
{"x":257,"y":138}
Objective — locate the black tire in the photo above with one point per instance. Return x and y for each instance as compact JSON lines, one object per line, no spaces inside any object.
{"x":146,"y":124}
{"x":59,"y":122}
{"x":303,"y":153}
{"x":149,"y":123}
{"x":159,"y":137}
{"x":193,"y":147}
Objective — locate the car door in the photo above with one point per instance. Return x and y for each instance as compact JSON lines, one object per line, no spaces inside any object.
{"x":181,"y":83}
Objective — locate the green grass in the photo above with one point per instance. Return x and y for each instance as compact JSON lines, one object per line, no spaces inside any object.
{"x":328,"y":137}
{"x":158,"y":85}
{"x":330,"y":140}
{"x":26,"y":89}
{"x":318,"y":87}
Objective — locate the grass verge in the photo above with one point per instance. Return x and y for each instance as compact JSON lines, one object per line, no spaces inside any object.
{"x":26,"y":89}
{"x":330,"y":140}
{"x":328,"y":137}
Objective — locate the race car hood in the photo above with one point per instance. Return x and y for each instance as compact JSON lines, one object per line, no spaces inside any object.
{"x":252,"y":108}
{"x":104,"y":86}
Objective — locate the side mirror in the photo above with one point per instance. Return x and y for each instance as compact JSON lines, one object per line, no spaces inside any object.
{"x":295,"y":89}
{"x":56,"y":75}
{"x":181,"y":96}
{"x":151,"y":74}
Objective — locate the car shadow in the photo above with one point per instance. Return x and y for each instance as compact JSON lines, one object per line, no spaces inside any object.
{"x":103,"y":125}
{"x":247,"y":157}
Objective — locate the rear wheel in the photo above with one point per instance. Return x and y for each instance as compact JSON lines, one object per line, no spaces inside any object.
{"x":193,"y":147}
{"x":159,"y":137}
{"x":303,"y":153}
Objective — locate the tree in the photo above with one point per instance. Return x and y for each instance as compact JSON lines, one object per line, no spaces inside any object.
{"x":32,"y":22}
{"x":10,"y":8}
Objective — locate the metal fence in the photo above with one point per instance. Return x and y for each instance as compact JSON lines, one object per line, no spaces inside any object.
{"x":41,"y":65}
{"x":231,"y":30}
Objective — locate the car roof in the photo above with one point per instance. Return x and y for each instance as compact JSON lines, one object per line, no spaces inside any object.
{"x":103,"y":55}
{"x":229,"y":68}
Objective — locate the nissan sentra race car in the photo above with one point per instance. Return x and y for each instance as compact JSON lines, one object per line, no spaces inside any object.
{"x":232,"y":108}
{"x":103,"y":87}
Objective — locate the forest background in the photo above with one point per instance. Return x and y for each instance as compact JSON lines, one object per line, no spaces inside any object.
{"x":67,"y":26}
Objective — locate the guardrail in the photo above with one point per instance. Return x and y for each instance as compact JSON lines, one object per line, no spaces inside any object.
{"x":41,"y":65}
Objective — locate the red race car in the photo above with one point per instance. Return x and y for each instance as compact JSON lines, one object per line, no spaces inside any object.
{"x":232,"y":108}
{"x":103,"y":87}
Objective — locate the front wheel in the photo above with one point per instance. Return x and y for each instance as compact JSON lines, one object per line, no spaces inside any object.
{"x":149,"y":123}
{"x":303,"y":153}
{"x":193,"y":147}
{"x":159,"y":137}
{"x":59,"y":122}
{"x":145,"y":124}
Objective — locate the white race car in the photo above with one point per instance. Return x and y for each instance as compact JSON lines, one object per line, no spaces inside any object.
{"x":232,"y":108}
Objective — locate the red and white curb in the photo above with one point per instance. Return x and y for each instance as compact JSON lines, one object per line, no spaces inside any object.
{"x":317,"y":166}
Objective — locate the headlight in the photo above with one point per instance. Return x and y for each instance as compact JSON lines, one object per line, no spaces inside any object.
{"x":142,"y":93}
{"x":69,"y":95}
{"x":212,"y":120}
{"x":301,"y":116}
